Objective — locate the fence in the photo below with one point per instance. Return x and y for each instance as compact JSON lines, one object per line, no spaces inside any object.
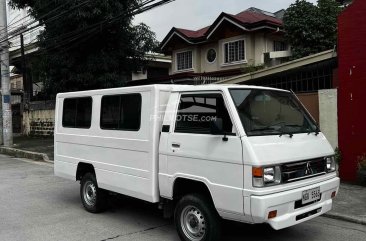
{"x":39,"y":119}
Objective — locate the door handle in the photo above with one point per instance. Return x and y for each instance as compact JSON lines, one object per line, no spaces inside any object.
{"x":176,"y":145}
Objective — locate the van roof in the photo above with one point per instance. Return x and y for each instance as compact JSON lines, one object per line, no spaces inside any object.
{"x":219,"y":87}
{"x":172,"y":88}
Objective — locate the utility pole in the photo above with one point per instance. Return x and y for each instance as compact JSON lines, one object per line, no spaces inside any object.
{"x":5,"y":79}
{"x":24,"y":72}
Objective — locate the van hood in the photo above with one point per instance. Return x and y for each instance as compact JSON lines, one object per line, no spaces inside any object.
{"x":269,"y":150}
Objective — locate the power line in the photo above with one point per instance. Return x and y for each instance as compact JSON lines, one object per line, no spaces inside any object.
{"x":79,"y":35}
{"x":97,"y":27}
{"x":47,"y":20}
{"x":29,"y":15}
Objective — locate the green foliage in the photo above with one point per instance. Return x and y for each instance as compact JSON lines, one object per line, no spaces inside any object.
{"x":338,"y":155}
{"x":311,"y":29}
{"x":87,"y":44}
{"x":361,"y":162}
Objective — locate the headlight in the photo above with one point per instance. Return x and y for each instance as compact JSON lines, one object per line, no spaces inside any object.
{"x":266,"y":176}
{"x":331,"y":164}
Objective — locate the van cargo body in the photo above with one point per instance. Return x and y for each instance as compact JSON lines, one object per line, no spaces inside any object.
{"x":244,"y":153}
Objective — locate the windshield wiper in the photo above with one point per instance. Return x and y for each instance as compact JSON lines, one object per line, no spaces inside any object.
{"x":316,"y":131}
{"x":285,"y":133}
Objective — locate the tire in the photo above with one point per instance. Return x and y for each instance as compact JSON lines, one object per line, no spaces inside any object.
{"x":93,"y":198}
{"x":196,"y":219}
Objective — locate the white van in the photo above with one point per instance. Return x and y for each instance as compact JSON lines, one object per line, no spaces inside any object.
{"x":244,"y":153}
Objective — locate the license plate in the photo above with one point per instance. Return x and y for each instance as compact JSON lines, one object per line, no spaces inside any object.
{"x":310,"y":195}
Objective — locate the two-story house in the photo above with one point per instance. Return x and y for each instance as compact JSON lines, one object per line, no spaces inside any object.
{"x":232,"y":45}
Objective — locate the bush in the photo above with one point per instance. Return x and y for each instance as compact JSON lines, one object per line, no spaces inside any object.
{"x":361,"y":162}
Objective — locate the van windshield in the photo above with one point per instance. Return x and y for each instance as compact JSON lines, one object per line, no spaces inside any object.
{"x":271,"y":112}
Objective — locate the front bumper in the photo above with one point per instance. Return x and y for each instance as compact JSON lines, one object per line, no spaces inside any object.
{"x":284,"y":202}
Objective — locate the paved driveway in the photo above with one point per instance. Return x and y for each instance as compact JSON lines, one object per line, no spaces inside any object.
{"x":35,"y":205}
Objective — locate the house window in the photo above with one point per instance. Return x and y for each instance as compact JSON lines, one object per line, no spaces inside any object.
{"x":121,"y":112}
{"x":279,"y":46}
{"x":184,"y":60}
{"x":77,"y":112}
{"x":211,"y":55}
{"x":234,"y":51}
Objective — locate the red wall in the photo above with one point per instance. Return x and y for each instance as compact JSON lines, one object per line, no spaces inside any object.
{"x":352,"y":87}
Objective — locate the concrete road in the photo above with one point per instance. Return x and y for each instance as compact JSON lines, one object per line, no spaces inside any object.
{"x":35,"y":205}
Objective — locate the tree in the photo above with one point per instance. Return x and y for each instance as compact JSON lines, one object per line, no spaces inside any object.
{"x":87,"y":44}
{"x":311,"y":29}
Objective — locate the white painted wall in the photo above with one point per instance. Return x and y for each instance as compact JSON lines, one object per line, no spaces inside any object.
{"x":328,"y":115}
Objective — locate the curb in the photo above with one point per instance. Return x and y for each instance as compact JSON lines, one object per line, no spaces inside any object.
{"x":343,"y":217}
{"x":36,"y":156}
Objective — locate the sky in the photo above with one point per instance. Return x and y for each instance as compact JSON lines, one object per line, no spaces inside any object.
{"x":196,"y":14}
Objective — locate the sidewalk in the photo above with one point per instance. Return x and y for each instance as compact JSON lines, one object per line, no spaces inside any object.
{"x":37,"y":148}
{"x":350,"y":204}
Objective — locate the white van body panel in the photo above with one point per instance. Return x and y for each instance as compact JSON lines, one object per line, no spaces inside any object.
{"x":204,"y":158}
{"x":269,"y":150}
{"x":124,"y":161}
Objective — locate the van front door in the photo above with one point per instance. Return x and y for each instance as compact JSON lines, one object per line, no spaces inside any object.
{"x":193,"y":152}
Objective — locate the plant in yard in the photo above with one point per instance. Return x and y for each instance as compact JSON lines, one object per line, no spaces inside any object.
{"x":361,"y":173}
{"x":338,"y":155}
{"x":310,"y":28}
{"x":361,"y":162}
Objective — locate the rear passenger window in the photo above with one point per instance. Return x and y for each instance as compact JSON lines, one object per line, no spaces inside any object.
{"x":77,"y":112}
{"x":121,"y":112}
{"x":196,"y":111}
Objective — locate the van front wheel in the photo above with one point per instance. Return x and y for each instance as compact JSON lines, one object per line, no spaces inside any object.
{"x":93,"y":198}
{"x":196,"y":219}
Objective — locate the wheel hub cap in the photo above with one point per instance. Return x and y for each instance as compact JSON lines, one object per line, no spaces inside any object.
{"x":90,"y":193}
{"x":193,"y":223}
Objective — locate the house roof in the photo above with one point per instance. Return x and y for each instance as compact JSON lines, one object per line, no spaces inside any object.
{"x":193,"y":34}
{"x":250,"y":16}
{"x":248,"y":20}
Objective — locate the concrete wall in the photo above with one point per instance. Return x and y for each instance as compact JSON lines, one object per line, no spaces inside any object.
{"x":322,"y":105}
{"x":39,"y":120}
{"x":328,"y":115}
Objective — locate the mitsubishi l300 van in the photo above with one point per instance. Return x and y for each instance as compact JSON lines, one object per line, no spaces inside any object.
{"x":203,"y":153}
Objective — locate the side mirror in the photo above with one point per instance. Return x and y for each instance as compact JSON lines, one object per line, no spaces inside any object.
{"x":217,"y":127}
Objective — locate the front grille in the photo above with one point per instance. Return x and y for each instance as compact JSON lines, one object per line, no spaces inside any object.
{"x":296,"y":171}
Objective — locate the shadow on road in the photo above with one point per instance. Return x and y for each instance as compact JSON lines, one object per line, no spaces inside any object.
{"x":232,"y":231}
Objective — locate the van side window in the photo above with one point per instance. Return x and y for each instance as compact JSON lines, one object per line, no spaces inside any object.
{"x":121,"y":112}
{"x":77,"y":112}
{"x":196,"y":111}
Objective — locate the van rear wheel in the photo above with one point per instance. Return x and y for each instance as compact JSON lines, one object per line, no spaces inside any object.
{"x":196,"y":219}
{"x":93,"y":198}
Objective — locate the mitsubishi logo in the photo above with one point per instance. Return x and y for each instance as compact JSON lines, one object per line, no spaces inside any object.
{"x":308,"y":170}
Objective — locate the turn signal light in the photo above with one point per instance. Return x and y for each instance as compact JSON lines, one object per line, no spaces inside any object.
{"x":272,"y":214}
{"x":257,"y":172}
